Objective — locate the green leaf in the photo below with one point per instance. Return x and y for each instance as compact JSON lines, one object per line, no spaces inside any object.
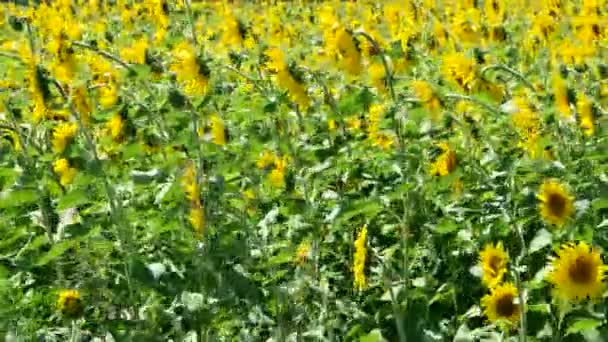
{"x":73,"y":199}
{"x":373,"y":336}
{"x":542,"y":239}
{"x":282,"y":258}
{"x":140,"y":71}
{"x":446,"y":226}
{"x":18,"y":198}
{"x":583,"y":325}
{"x":600,"y":203}
{"x":134,"y":150}
{"x":56,"y":251}
{"x":369,"y":209}
{"x":542,"y":308}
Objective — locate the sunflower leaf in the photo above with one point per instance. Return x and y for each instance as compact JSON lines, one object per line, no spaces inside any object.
{"x":583,"y":325}
{"x":542,"y":239}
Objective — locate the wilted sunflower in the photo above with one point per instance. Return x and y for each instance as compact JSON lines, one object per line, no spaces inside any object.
{"x":70,"y":304}
{"x":499,"y":304}
{"x":493,"y":261}
{"x":556,"y":202}
{"x":577,"y":272}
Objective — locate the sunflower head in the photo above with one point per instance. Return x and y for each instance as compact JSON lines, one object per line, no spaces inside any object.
{"x":493,"y":259}
{"x":445,"y":163}
{"x":70,"y":304}
{"x":577,"y":272}
{"x":556,"y":203}
{"x":500,"y":304}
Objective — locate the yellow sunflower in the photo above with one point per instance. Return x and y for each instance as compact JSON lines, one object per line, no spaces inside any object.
{"x":493,"y":261}
{"x":577,"y":272}
{"x":70,"y":303}
{"x":499,"y":304}
{"x":556,"y":203}
{"x":445,"y":162}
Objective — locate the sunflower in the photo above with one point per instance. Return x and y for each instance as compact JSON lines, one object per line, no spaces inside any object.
{"x":427,"y":95}
{"x":460,"y":70}
{"x":499,"y":304}
{"x":65,"y":172}
{"x":303,"y":252}
{"x":556,"y":203}
{"x":445,"y":163}
{"x":69,"y":303}
{"x":493,"y":261}
{"x":577,"y":272}
{"x":585,"y":114}
{"x":197,"y":219}
{"x":218,"y":131}
{"x":560,"y":92}
{"x":63,"y":135}
{"x":360,"y":257}
{"x":115,"y":127}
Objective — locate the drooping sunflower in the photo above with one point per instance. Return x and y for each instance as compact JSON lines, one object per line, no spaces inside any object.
{"x":556,"y":203}
{"x":493,"y":259}
{"x":499,"y":305}
{"x":577,"y":272}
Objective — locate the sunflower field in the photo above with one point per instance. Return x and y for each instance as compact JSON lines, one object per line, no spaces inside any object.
{"x":408,"y":170}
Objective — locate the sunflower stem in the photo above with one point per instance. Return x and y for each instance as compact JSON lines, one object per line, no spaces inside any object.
{"x":11,"y":56}
{"x":248,"y":78}
{"x":191,"y":21}
{"x":387,"y":71}
{"x":396,"y":311}
{"x":104,"y":54}
{"x":509,"y":70}
{"x":116,"y":213}
{"x":473,"y":100}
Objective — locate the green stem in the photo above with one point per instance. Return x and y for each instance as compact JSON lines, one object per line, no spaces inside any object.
{"x":30,"y":36}
{"x":404,"y":242}
{"x":116,"y":213}
{"x":191,"y":21}
{"x":331,"y":101}
{"x":396,"y":311}
{"x":30,"y":165}
{"x":104,"y":54}
{"x":248,"y":78}
{"x":387,"y":71}
{"x":12,"y":56}
{"x":509,"y":70}
{"x":473,"y":100}
{"x":522,"y":304}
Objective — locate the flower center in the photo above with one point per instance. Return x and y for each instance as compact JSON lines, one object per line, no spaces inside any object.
{"x":505,"y":306}
{"x":557,"y":204}
{"x":581,"y":271}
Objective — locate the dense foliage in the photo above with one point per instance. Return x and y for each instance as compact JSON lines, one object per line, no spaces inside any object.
{"x":316,"y":171}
